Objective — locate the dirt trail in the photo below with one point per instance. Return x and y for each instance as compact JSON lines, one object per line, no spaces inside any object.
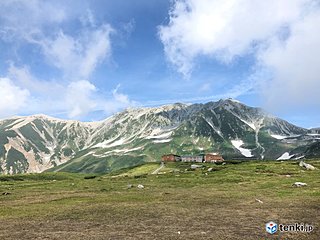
{"x":158,"y":169}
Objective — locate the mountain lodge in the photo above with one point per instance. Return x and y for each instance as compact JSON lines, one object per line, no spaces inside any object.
{"x":209,"y":157}
{"x":171,"y":158}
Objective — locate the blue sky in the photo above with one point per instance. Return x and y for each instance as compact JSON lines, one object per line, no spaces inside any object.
{"x":89,"y":59}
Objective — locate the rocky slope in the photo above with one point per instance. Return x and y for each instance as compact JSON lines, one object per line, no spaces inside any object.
{"x":134,"y":136}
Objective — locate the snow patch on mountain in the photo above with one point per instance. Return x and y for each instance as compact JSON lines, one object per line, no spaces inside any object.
{"x":279,"y":137}
{"x":213,"y":127}
{"x":162,"y":141}
{"x":249,"y":124}
{"x":313,"y":134}
{"x":89,"y":153}
{"x":19,"y":123}
{"x":107,"y":144}
{"x":285,"y":156}
{"x":252,"y":124}
{"x":300,"y":157}
{"x":160,"y":136}
{"x":245,"y":152}
{"x":234,"y":100}
{"x":117,"y":151}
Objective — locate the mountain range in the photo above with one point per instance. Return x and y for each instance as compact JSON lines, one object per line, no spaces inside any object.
{"x":41,"y":143}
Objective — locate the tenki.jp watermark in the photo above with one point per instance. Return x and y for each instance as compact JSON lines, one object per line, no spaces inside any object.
{"x":272,"y":227}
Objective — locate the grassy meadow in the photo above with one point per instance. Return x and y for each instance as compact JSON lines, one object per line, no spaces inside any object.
{"x":233,"y":201}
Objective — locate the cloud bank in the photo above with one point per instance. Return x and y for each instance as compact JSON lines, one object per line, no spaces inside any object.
{"x":78,"y":56}
{"x":13,"y":97}
{"x":75,"y":53}
{"x":281,"y":35}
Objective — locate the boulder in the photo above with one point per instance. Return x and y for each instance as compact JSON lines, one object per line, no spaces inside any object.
{"x":299,"y":184}
{"x":195,"y":166}
{"x":306,"y":165}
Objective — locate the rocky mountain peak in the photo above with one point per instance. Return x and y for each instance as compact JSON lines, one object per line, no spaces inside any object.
{"x":39,"y":142}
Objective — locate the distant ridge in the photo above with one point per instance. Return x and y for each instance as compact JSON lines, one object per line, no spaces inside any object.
{"x":39,"y":142}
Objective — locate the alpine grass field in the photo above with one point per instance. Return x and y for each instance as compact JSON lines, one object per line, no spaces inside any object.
{"x":233,"y":201}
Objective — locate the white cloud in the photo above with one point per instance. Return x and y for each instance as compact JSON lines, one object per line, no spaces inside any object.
{"x":76,"y":99}
{"x":79,"y":98}
{"x":44,"y":96}
{"x":26,"y":19}
{"x":76,"y":53}
{"x":283,"y":37}
{"x":294,"y":65}
{"x":78,"y":56}
{"x":23,"y":77}
{"x":88,"y":19}
{"x":13,"y":98}
{"x":223,"y":29}
{"x":119,"y":101}
{"x":44,"y":27}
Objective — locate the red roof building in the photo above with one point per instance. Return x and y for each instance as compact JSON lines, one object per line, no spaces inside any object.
{"x":171,"y":158}
{"x":212,"y":157}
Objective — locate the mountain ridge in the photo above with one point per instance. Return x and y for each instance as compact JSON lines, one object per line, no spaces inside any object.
{"x":39,"y":142}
